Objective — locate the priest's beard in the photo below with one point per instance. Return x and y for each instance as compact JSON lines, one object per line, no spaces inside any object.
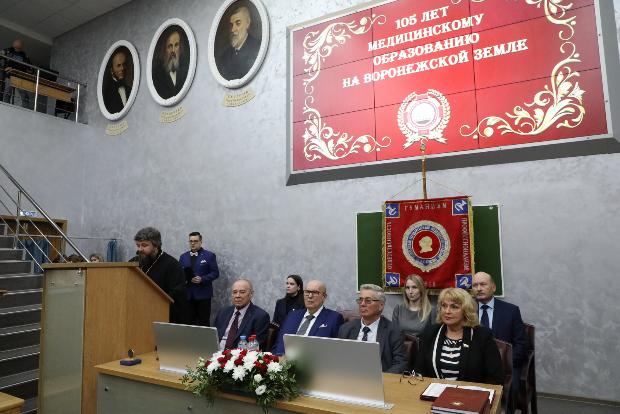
{"x":145,"y":260}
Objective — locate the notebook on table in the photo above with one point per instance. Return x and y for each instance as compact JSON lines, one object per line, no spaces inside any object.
{"x":461,"y":401}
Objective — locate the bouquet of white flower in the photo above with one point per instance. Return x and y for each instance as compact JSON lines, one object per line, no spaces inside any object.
{"x":258,"y":373}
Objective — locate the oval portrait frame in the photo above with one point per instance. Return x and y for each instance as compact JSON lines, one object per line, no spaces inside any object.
{"x":264,"y":45}
{"x":191,"y":70}
{"x":134,"y":86}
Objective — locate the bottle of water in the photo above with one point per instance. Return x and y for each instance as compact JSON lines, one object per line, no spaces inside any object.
{"x":253,"y":344}
{"x":243,"y":343}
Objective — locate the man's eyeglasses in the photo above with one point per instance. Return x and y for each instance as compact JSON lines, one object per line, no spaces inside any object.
{"x":411,"y":376}
{"x":312,"y":292}
{"x":367,"y":301}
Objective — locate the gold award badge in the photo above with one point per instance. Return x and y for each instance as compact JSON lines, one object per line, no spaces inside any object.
{"x":423,"y":117}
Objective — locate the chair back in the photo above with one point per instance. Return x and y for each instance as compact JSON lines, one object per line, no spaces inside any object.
{"x":530,"y":331}
{"x":412,"y":346}
{"x":505,"y":352}
{"x":349,"y":314}
{"x":272,"y":335}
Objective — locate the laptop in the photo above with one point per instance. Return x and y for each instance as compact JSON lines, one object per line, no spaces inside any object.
{"x":180,"y":346}
{"x":333,"y":370}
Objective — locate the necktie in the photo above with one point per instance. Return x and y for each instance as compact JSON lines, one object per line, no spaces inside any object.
{"x":304,"y":326}
{"x":193,"y":254}
{"x":365,"y":330}
{"x":232,"y":332}
{"x":484,"y":320}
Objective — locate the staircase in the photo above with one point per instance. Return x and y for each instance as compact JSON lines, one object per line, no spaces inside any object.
{"x":20,"y":317}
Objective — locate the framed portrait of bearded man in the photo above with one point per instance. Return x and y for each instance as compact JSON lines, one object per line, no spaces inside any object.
{"x":171,"y":62}
{"x":238,"y":42}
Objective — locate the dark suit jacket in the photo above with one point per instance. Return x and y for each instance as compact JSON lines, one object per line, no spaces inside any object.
{"x":167,"y":273}
{"x":206,"y":268}
{"x":326,"y":325}
{"x":282,"y":310}
{"x":111,"y":97}
{"x":390,"y":340}
{"x":163,"y":82}
{"x":508,"y":326}
{"x":480,"y":360}
{"x":255,"y":322}
{"x":233,"y":64}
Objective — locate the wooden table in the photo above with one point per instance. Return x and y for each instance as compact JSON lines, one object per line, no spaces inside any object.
{"x":144,"y":389}
{"x":28,"y":82}
{"x":10,"y":404}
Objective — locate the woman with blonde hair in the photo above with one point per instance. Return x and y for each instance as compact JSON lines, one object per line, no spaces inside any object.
{"x":415,"y":313}
{"x":457,"y":347}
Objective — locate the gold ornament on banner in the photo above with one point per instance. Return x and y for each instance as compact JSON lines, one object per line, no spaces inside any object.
{"x":321,"y":140}
{"x":560,"y":104}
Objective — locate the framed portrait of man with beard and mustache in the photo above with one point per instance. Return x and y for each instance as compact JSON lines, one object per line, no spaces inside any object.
{"x":171,"y":62}
{"x":119,"y":77}
{"x":238,"y":41}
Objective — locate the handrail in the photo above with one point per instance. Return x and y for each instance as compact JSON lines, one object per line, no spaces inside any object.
{"x":43,"y":213}
{"x":35,"y":67}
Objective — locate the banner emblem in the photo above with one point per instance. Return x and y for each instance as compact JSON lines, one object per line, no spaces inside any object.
{"x":463,"y":281}
{"x":426,"y":245}
{"x":424,"y":116}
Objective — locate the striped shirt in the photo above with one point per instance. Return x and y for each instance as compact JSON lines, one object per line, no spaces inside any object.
{"x":449,"y":358}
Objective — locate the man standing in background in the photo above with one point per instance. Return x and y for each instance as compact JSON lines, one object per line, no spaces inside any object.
{"x":15,"y":52}
{"x":201,"y":270}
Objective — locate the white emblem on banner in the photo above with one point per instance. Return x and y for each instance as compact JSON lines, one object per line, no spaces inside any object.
{"x":423,"y":117}
{"x":426,"y":245}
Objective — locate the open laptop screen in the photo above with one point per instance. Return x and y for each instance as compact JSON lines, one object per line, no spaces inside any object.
{"x":338,"y":369}
{"x":180,"y":346}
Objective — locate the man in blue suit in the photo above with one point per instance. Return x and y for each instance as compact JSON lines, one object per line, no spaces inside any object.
{"x":315,"y":320}
{"x":201,"y":270}
{"x":504,"y":320}
{"x":242,"y":318}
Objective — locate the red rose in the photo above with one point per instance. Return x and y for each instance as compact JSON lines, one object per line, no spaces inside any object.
{"x":239,"y":361}
{"x":275,"y":358}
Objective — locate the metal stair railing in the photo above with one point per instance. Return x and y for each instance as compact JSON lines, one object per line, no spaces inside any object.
{"x":16,"y":206}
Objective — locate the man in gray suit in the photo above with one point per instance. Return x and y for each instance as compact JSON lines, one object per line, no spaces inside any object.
{"x":373,"y":327}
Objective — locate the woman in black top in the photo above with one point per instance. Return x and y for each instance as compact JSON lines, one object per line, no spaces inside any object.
{"x":294,"y":299}
{"x":457,"y":347}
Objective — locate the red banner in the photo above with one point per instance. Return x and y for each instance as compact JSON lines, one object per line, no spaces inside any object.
{"x":432,"y":238}
{"x":445,"y":76}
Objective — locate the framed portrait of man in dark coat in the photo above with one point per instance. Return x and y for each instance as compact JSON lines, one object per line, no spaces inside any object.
{"x":119,"y":77}
{"x":238,"y":41}
{"x":171,"y":62}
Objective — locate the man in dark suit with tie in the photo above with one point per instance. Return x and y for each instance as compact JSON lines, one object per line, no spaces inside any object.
{"x":200,"y":271}
{"x":373,"y":327}
{"x":242,"y":318}
{"x":503,"y":318}
{"x":315,"y":320}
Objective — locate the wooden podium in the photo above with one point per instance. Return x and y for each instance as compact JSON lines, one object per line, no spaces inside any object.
{"x":92,"y":313}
